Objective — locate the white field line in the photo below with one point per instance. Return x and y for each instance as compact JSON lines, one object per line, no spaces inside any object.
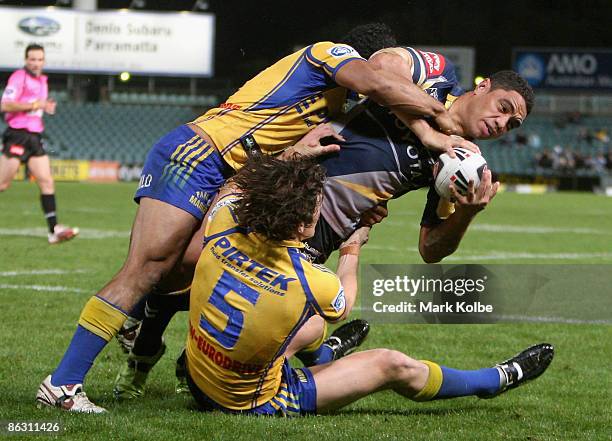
{"x":47,"y":288}
{"x":70,"y":210}
{"x":531,"y":319}
{"x":408,"y":224}
{"x":533,"y":229}
{"x":496,"y":255}
{"x":371,"y":246}
{"x":502,"y":255}
{"x":544,"y":319}
{"x":496,"y":228}
{"x":39,"y":272}
{"x":91,"y":233}
{"x":85,"y":233}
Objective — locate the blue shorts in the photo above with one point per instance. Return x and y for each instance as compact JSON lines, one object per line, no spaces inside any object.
{"x":183,"y":170}
{"x":297,"y":396}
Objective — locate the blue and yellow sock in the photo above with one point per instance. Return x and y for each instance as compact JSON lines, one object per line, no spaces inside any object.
{"x":444,"y":382}
{"x":98,"y":323}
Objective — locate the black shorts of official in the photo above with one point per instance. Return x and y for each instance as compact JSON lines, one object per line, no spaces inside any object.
{"x":324,"y":242}
{"x":19,"y":143}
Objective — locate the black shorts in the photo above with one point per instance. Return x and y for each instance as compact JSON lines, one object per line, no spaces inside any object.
{"x":19,"y":143}
{"x":324,"y":242}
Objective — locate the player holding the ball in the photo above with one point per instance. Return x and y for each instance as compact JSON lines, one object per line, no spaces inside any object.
{"x":457,"y":172}
{"x":380,"y":159}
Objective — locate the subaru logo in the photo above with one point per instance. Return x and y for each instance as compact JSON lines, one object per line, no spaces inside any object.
{"x":39,"y":26}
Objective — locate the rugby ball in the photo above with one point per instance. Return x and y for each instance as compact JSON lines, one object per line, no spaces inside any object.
{"x":465,"y":167}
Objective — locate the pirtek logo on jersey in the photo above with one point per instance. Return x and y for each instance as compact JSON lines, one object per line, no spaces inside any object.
{"x":39,"y":26}
{"x":259,"y":270}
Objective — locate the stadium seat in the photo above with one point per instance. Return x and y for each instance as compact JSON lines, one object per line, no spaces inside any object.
{"x":108,"y":131}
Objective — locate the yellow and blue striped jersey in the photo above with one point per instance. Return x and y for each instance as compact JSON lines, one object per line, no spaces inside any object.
{"x":279,"y":106}
{"x":248,"y":299}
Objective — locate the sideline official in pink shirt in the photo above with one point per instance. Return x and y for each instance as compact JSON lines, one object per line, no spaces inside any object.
{"x":24,"y":102}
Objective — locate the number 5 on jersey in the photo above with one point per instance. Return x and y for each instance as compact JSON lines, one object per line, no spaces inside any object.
{"x":235,"y":319}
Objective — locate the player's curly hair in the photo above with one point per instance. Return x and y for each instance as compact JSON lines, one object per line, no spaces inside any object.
{"x":510,"y":80}
{"x":369,"y":38}
{"x":277,"y":196}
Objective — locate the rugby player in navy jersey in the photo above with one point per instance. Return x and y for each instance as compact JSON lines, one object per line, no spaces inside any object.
{"x":380,"y":158}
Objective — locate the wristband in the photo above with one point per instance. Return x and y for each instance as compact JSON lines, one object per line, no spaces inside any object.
{"x":350,"y":249}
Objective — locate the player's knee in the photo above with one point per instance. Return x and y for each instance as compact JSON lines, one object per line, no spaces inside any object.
{"x":149,"y":274}
{"x":129,"y":286}
{"x":46,"y":185}
{"x":401,"y":367}
{"x":4,"y":186}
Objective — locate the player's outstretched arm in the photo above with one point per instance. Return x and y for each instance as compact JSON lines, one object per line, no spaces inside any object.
{"x":348,"y":262}
{"x":386,"y":78}
{"x":391,"y":69}
{"x":393,"y":91}
{"x":435,"y":243}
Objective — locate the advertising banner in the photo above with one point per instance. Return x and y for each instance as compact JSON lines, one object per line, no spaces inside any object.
{"x":103,"y":171}
{"x":561,"y":68}
{"x":69,"y":170}
{"x":176,"y":43}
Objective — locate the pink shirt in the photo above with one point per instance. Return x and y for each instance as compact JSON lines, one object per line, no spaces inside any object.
{"x":25,"y":88}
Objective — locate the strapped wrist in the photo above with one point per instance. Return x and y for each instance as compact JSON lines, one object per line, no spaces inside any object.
{"x":352,"y":249}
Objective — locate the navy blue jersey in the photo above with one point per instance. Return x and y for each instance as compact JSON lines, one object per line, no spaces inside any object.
{"x":435,"y":74}
{"x":381,"y":158}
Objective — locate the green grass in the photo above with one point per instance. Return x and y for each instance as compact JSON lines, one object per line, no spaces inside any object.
{"x":571,"y":401}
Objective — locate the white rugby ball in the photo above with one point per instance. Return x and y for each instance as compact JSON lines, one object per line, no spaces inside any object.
{"x":465,"y":167}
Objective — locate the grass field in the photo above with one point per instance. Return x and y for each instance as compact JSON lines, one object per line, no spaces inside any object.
{"x":39,"y":312}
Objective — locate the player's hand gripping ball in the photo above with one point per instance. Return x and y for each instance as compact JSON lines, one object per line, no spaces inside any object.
{"x":465,"y":167}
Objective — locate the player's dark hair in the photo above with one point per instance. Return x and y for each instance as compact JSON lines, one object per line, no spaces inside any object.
{"x":510,"y":80}
{"x":369,"y":38}
{"x":277,"y":196}
{"x":33,"y":47}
